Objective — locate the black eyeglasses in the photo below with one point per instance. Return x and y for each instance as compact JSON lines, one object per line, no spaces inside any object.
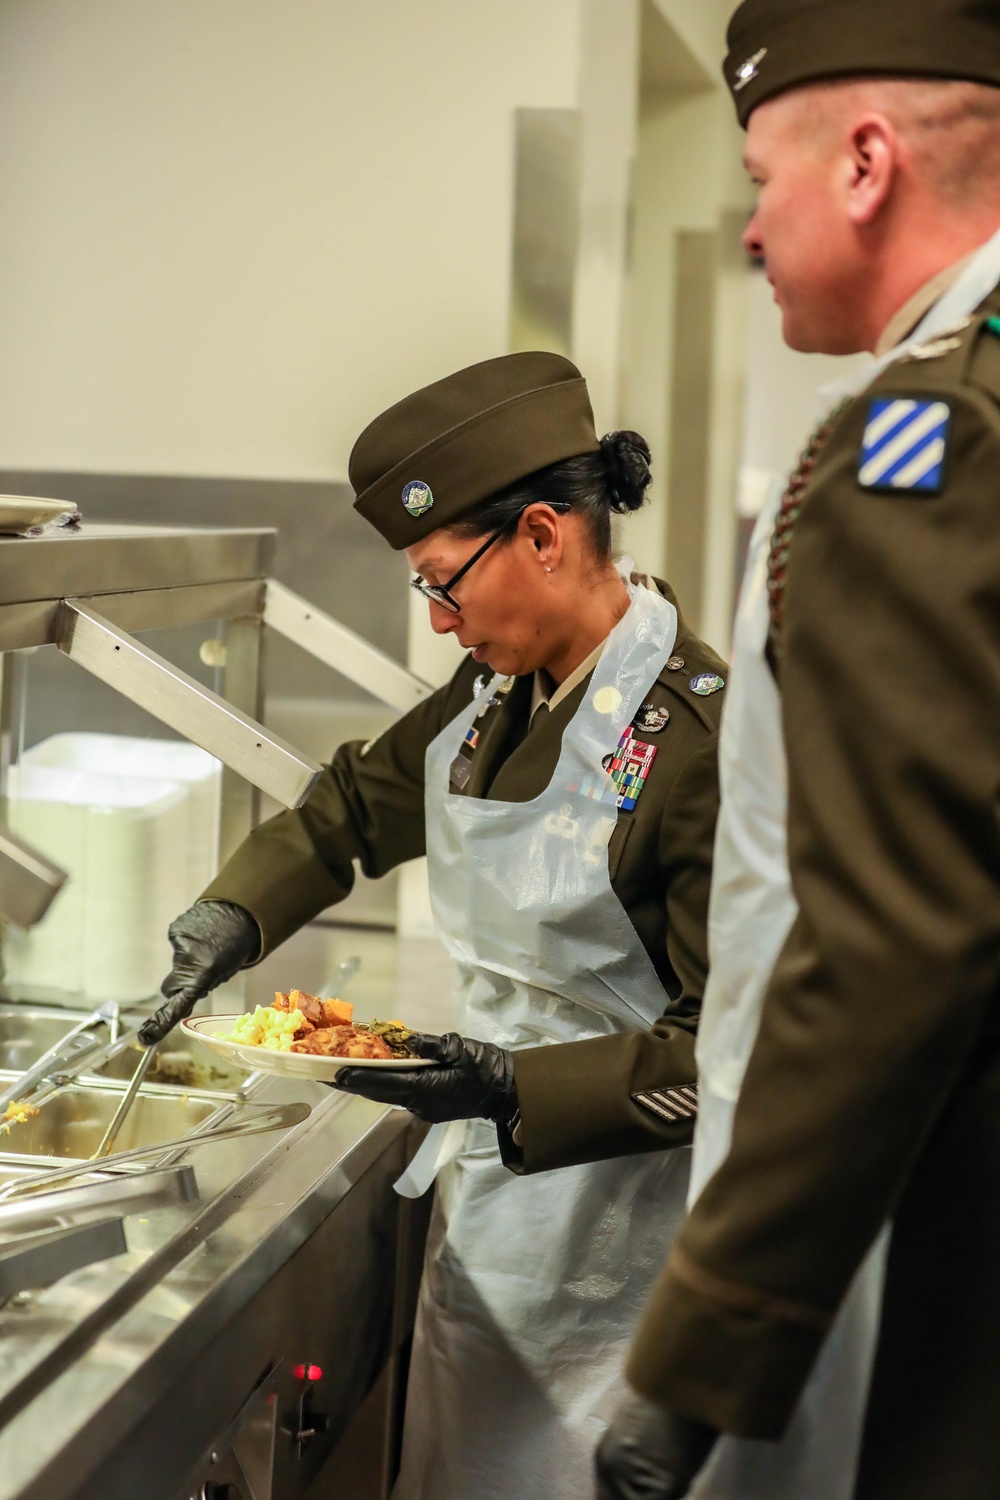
{"x":440,"y":593}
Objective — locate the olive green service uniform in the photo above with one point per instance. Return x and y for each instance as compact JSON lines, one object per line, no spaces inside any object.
{"x":569,"y":917}
{"x":869,"y":1109}
{"x":577,"y":1102}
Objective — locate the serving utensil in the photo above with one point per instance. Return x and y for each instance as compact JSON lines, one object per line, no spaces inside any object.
{"x":67,"y":1056}
{"x":118,"y":1118}
{"x":272,"y":1117}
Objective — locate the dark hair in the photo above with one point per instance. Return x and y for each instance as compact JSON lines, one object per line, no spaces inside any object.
{"x":615,"y":479}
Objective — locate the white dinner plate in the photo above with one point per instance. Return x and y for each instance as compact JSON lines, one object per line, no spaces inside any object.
{"x":205,"y":1029}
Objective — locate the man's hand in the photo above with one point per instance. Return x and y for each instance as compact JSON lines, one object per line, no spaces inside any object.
{"x":648,"y":1453}
{"x":212,"y":941}
{"x":475,"y":1081}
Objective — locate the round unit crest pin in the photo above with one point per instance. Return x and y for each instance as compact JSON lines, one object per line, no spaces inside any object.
{"x":417,"y":498}
{"x":707,"y":684}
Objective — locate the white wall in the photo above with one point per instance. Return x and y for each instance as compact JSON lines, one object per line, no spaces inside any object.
{"x":235,"y":229}
{"x":688,"y":178}
{"x":701,"y":25}
{"x":782,"y":403}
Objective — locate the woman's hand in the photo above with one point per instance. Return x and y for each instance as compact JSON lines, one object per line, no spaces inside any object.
{"x":475,"y":1080}
{"x":212,"y":941}
{"x":648,"y":1453}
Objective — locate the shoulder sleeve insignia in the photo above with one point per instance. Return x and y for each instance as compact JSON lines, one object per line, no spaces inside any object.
{"x":905,"y":446}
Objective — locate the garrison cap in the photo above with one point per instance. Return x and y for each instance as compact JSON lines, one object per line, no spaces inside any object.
{"x":436,"y":454}
{"x":776,"y":45}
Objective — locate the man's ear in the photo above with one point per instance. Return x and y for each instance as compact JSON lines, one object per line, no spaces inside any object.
{"x":875,"y":153}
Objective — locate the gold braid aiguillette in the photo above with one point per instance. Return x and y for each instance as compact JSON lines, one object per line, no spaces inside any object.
{"x":784,"y":529}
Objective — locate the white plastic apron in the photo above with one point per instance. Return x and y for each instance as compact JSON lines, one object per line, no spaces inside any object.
{"x":533,"y":1286}
{"x":751,"y":911}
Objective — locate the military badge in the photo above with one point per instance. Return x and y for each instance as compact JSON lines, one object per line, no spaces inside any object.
{"x":905,"y":446}
{"x":676,"y":664}
{"x":706,"y":684}
{"x":630,"y":765}
{"x":417,"y":498}
{"x":937,"y":349}
{"x":747,"y":72}
{"x":650,"y":719}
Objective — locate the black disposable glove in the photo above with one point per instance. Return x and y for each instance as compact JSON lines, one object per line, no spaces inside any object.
{"x":475,"y":1081}
{"x":648,"y":1453}
{"x":212,"y":941}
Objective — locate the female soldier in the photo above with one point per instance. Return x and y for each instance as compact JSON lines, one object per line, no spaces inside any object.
{"x":563,"y":788}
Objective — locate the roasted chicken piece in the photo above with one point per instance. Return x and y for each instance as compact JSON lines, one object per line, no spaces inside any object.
{"x":308,"y":1007}
{"x":342,"y":1041}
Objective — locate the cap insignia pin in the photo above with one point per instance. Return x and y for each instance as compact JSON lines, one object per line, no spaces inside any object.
{"x":707,"y":683}
{"x":417,"y":498}
{"x":747,"y":72}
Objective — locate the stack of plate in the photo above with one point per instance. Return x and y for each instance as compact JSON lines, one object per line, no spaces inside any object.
{"x":135,"y":822}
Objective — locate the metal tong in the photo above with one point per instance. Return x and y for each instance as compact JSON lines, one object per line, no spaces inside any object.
{"x":274,"y":1117}
{"x":68,"y":1056}
{"x":135,"y":1083}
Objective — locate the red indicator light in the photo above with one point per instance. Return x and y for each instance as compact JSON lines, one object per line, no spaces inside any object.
{"x":307,"y":1372}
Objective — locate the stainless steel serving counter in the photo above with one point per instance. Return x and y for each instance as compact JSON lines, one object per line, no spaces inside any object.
{"x":227,"y":1347}
{"x":123,"y":1378}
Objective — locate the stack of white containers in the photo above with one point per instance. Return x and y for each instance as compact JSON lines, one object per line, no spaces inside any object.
{"x":135,"y":823}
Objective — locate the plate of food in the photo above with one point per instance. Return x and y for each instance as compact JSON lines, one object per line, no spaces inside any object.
{"x":301,"y":1036}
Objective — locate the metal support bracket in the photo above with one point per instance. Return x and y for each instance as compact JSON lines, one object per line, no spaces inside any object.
{"x":29,"y":882}
{"x":187,"y":706}
{"x":333,"y":644}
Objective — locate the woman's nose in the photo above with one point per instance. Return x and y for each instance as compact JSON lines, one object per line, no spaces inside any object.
{"x":443,"y":621}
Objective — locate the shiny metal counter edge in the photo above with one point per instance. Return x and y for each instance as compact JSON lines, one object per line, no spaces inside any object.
{"x":119,"y":1333}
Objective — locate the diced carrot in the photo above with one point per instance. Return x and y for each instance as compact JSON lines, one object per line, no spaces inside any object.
{"x":337,"y":1012}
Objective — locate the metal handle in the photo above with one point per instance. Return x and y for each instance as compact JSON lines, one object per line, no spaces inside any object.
{"x":336,"y":646}
{"x":186,"y":705}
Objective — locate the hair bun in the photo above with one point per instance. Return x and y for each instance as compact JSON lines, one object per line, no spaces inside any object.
{"x":626,"y":461}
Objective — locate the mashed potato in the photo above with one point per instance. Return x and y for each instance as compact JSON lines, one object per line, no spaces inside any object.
{"x":266,"y":1027}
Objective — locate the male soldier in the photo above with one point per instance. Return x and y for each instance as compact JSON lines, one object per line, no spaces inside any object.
{"x":831,"y":1305}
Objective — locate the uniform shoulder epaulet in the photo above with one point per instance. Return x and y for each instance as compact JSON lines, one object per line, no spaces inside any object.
{"x":696,"y":676}
{"x":910,"y":409}
{"x":983,"y":371}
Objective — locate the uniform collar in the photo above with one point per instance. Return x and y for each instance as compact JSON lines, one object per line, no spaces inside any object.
{"x":544,"y":690}
{"x":912,"y":312}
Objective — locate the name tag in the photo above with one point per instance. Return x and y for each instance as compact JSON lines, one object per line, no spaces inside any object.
{"x":460,"y":772}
